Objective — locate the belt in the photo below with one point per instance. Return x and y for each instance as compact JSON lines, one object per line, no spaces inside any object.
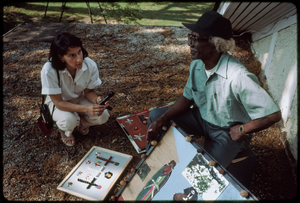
{"x":219,"y":127}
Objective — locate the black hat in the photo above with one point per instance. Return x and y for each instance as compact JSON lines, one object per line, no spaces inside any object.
{"x":212,"y":23}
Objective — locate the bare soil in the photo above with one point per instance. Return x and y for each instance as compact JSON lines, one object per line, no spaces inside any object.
{"x":146,"y":66}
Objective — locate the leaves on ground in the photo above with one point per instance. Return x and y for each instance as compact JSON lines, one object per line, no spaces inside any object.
{"x":146,"y":66}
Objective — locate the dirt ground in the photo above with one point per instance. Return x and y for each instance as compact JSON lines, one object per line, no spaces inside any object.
{"x":146,"y":66}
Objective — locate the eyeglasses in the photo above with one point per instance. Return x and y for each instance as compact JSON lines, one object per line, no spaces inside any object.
{"x":192,"y":39}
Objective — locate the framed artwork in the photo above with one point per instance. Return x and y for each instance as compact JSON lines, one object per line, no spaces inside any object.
{"x":180,"y":169}
{"x":95,"y":174}
{"x":205,"y":179}
{"x":135,"y":127}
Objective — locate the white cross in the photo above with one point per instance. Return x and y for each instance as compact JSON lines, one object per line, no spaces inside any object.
{"x":128,"y":121}
{"x":138,"y":137}
{"x":154,"y":185}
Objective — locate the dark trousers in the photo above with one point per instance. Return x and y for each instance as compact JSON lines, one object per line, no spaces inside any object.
{"x":218,"y":142}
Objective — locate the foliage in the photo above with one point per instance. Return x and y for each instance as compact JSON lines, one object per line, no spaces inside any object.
{"x":203,"y":177}
{"x":129,"y":13}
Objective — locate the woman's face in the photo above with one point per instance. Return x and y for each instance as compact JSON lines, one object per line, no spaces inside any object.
{"x":73,"y":58}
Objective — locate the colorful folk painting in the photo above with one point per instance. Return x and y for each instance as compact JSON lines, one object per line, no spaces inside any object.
{"x":193,"y":179}
{"x":95,"y":174}
{"x":135,"y":127}
{"x":206,"y":180}
{"x":143,"y":171}
{"x":156,"y":182}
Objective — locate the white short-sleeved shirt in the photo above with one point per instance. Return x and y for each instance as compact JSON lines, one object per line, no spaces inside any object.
{"x":86,"y":77}
{"x":230,"y":95}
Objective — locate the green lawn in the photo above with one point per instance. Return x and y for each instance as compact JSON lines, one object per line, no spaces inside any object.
{"x":164,"y":14}
{"x":172,"y":13}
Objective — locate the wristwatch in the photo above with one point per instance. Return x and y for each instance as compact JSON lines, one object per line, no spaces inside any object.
{"x":241,"y":129}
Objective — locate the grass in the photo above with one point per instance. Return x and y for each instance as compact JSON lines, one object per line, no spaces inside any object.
{"x":160,"y":13}
{"x":172,"y":14}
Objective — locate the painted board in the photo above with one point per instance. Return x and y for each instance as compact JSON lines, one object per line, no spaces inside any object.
{"x":205,"y":179}
{"x":135,"y":127}
{"x":176,"y":185}
{"x":95,"y":174}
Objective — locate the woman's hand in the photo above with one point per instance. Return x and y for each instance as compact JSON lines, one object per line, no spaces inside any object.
{"x":98,"y":100}
{"x":95,"y":109}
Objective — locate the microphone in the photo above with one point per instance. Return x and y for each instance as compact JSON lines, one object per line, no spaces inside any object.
{"x":109,"y":95}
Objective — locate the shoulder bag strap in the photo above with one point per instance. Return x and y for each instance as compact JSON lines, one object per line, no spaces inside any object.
{"x":58,"y":86}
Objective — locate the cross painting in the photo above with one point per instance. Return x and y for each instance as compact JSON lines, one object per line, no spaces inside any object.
{"x":135,"y":127}
{"x":95,"y":174}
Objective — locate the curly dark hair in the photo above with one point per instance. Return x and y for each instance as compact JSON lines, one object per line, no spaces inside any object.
{"x":60,"y":45}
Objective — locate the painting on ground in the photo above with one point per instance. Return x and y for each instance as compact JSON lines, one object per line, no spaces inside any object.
{"x":204,"y":178}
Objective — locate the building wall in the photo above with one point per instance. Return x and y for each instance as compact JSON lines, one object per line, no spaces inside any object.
{"x":277,"y":53}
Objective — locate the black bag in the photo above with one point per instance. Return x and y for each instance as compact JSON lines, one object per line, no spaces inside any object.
{"x":47,"y":117}
{"x":45,"y":121}
{"x":46,"y":132}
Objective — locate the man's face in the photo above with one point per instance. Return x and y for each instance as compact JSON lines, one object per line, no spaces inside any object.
{"x":200,"y":47}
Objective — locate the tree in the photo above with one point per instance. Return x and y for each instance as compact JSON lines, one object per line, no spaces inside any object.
{"x":126,"y":14}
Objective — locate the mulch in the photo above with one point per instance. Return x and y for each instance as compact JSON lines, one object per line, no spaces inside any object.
{"x":146,"y":66}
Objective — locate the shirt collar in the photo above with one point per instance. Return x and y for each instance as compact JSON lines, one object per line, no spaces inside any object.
{"x":221,"y":67}
{"x":78,"y":72}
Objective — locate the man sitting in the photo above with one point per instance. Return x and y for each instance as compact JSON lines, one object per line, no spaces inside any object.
{"x":230,"y":102}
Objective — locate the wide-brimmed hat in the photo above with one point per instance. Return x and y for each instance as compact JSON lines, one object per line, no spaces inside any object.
{"x":213,"y":24}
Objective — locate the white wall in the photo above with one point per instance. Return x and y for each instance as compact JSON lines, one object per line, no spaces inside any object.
{"x":276,"y":49}
{"x":275,"y":46}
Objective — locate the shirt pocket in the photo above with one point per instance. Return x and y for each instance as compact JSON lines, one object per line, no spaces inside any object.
{"x":226,"y":110}
{"x":199,"y":98}
{"x":80,"y":86}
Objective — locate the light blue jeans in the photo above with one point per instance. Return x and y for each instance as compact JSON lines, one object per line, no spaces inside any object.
{"x":218,"y":142}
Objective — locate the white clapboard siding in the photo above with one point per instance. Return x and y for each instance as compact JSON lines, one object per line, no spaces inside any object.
{"x":275,"y":14}
{"x":256,"y":16}
{"x":231,"y":9}
{"x":243,"y":16}
{"x":253,"y":16}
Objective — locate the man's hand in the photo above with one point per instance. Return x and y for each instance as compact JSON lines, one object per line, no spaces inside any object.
{"x":154,"y":128}
{"x":181,"y":105}
{"x":254,"y":126}
{"x":236,"y":135}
